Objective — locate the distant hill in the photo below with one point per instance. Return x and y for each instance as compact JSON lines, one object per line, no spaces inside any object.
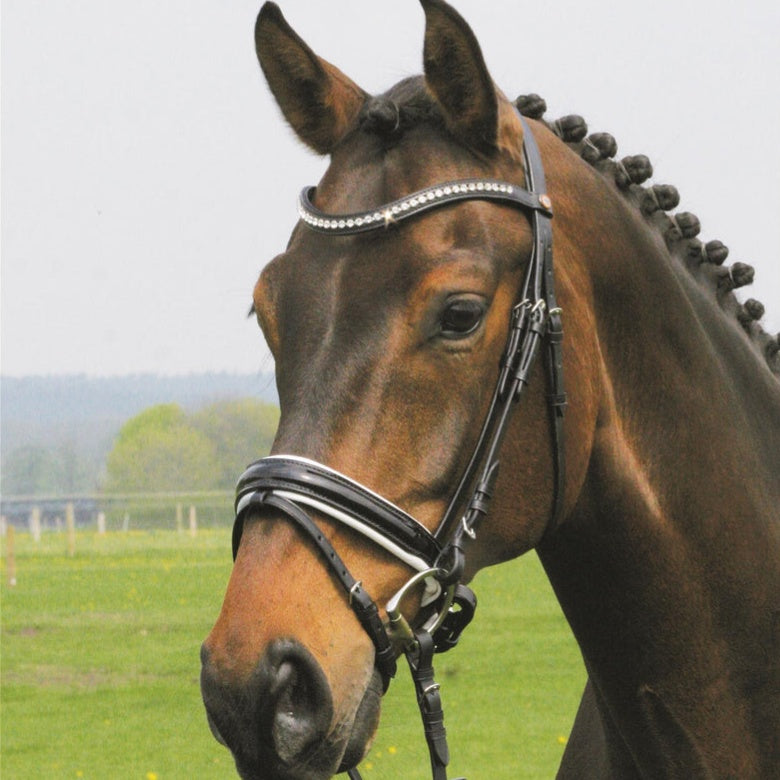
{"x":81,"y":415}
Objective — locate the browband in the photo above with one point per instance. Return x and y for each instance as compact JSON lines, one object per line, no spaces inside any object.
{"x":416,"y":203}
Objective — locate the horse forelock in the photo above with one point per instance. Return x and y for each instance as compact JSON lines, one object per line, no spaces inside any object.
{"x":406,"y":105}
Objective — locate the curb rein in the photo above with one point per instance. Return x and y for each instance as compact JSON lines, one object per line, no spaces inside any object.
{"x":292,"y":485}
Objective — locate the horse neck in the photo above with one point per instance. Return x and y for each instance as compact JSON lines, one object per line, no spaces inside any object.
{"x":668,"y":568}
{"x":688,"y":408}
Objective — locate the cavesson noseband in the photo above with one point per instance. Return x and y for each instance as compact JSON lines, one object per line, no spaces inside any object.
{"x":294,"y":486}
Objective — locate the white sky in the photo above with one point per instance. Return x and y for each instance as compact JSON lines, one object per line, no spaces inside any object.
{"x":147,"y":176}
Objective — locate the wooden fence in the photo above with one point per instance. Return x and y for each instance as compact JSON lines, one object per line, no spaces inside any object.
{"x":180,"y":511}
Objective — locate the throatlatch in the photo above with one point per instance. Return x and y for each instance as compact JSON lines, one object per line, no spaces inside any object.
{"x":294,"y":486}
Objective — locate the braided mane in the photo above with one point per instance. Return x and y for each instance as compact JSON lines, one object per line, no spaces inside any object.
{"x":680,"y":230}
{"x":408,"y":104}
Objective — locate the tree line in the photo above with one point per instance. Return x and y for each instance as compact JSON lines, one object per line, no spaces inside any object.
{"x":164,"y":448}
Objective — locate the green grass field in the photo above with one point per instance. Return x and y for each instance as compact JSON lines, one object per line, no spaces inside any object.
{"x":99,"y":667}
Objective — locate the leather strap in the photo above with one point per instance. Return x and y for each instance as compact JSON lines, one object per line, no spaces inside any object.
{"x":307,"y":479}
{"x":529,"y":324}
{"x":420,"y":660}
{"x":362,"y":604}
{"x":448,"y":634}
{"x":417,"y":203}
{"x":543,"y":240}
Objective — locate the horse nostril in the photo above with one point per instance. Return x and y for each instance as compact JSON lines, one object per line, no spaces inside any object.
{"x":275,"y":719}
{"x":299,"y":707}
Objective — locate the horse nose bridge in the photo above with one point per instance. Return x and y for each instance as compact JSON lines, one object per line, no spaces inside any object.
{"x":281,"y":588}
{"x":317,"y":413}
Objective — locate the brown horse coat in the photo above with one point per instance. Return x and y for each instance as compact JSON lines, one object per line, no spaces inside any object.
{"x":667,"y":560}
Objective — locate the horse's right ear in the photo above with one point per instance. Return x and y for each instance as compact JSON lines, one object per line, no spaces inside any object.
{"x":316,"y":98}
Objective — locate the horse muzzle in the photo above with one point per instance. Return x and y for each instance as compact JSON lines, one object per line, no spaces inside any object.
{"x":278,"y":724}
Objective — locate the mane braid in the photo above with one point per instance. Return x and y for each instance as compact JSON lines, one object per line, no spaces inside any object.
{"x":679,"y":230}
{"x":406,"y":105}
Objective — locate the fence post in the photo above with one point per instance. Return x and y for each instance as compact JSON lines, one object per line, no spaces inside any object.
{"x":126,"y":522}
{"x":70,"y":523}
{"x":10,"y":554}
{"x":193,"y":522}
{"x":35,"y":523}
{"x":179,"y":518}
{"x":101,"y":522}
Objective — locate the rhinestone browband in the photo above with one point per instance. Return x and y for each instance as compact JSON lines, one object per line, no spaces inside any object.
{"x":423,"y":200}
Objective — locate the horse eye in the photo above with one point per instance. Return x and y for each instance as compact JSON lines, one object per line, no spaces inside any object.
{"x":461,"y":317}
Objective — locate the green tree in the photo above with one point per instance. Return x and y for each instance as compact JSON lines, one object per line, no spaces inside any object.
{"x":35,"y":470}
{"x":32,"y":471}
{"x":160,"y":450}
{"x":77,"y":474}
{"x":240,"y":430}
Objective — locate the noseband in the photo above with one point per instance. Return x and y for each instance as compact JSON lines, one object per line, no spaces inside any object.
{"x":294,"y":486}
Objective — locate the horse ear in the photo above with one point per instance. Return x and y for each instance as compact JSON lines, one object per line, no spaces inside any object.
{"x":456,"y":74}
{"x":316,"y":98}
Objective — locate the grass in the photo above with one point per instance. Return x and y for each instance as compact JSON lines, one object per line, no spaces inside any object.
{"x":99,"y":667}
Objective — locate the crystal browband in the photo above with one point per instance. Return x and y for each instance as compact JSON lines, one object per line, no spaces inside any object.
{"x":423,"y":200}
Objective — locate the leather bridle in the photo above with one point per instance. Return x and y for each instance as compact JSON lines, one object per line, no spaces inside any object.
{"x":294,"y":486}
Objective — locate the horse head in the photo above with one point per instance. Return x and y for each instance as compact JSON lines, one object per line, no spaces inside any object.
{"x":382,"y":343}
{"x":388,"y":344}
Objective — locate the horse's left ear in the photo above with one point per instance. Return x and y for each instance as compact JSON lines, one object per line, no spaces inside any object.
{"x":316,"y":98}
{"x":456,"y":74}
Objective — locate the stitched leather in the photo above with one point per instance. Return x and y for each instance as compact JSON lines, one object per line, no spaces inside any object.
{"x":342,"y":493}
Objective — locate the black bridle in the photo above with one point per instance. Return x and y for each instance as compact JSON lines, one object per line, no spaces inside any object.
{"x":294,"y":485}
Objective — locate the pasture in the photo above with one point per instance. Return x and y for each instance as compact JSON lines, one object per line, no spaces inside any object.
{"x":100,"y":667}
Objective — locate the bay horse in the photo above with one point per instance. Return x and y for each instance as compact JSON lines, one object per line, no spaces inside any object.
{"x":421,"y":262}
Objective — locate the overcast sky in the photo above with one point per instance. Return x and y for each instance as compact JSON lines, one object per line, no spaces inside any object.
{"x":147,"y":176}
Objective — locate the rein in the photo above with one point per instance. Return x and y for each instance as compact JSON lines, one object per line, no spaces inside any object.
{"x":294,"y":485}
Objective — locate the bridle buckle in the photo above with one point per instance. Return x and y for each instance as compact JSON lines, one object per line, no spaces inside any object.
{"x":354,"y":590}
